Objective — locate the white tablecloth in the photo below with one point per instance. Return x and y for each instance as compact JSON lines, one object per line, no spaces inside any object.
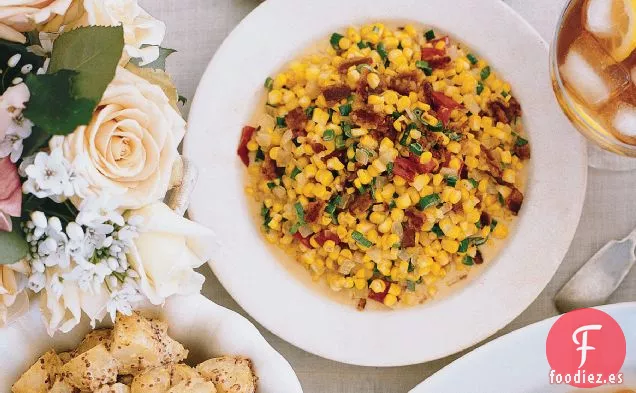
{"x":196,"y":28}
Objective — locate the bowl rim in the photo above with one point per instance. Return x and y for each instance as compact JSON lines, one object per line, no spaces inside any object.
{"x":278,"y":319}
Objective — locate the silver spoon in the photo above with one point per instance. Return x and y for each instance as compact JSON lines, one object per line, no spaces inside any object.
{"x":595,"y":282}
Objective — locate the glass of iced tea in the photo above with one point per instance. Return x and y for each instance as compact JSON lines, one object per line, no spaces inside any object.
{"x":594,"y":76}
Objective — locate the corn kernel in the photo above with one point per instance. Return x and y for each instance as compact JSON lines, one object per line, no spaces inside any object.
{"x":373,"y":80}
{"x":403,"y":202}
{"x":378,"y":286}
{"x":390,"y":300}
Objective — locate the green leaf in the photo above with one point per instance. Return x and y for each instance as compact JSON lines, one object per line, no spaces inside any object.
{"x":160,"y":63}
{"x":53,"y":107}
{"x":94,"y":53}
{"x":13,"y":246}
{"x":38,"y":139}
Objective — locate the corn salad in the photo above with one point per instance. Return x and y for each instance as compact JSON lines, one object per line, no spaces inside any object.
{"x":385,"y":161}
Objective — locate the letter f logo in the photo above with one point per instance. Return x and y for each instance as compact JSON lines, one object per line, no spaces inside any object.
{"x":583,"y":343}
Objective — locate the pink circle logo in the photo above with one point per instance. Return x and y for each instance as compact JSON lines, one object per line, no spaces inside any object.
{"x":586,"y":348}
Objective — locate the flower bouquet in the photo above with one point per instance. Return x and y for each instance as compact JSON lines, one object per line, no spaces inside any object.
{"x":89,"y":131}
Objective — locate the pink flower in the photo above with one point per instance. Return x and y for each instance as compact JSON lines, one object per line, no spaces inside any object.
{"x":10,"y":194}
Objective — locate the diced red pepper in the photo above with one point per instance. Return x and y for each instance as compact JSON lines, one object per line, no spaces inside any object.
{"x":443,"y":115}
{"x":430,"y":53}
{"x":303,"y":240}
{"x":379,"y":297}
{"x":242,"y":151}
{"x":325,"y":235}
{"x":444,"y":100}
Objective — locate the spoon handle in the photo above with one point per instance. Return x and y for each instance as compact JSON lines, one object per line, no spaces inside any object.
{"x":595,"y":282}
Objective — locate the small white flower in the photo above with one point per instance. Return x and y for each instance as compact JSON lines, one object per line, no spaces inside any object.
{"x":121,"y":300}
{"x":48,"y":175}
{"x":26,"y":161}
{"x":57,"y":285}
{"x":12,"y":145}
{"x":37,"y":282}
{"x":99,"y":210}
{"x":39,"y":219}
{"x":37,"y":266}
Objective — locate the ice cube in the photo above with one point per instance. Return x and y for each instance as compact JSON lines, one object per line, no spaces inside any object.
{"x":625,"y":120}
{"x":592,"y":73}
{"x":598,"y":17}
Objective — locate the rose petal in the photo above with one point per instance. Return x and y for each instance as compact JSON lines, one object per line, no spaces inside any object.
{"x":5,"y":223}
{"x":12,"y":205}
{"x":9,"y":178}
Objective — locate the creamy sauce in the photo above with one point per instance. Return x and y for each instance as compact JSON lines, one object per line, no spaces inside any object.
{"x":451,"y":283}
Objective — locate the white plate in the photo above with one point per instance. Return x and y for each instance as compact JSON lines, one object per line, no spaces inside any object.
{"x":516,"y":362}
{"x":226,"y":100}
{"x":204,"y":328}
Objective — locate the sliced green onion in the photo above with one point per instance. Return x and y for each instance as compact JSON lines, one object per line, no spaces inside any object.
{"x":392,"y":205}
{"x":340,"y":143}
{"x":473,"y":60}
{"x":382,"y":51}
{"x":451,"y":181}
{"x":335,"y":40}
{"x":410,"y":286}
{"x":437,"y":230}
{"x":504,"y":94}
{"x":260,"y":156}
{"x":453,"y":136}
{"x":502,"y":202}
{"x":280,"y":122}
{"x":310,"y":111}
{"x":265,"y":213}
{"x":468,"y":260}
{"x":345,"y":109}
{"x":346,"y":129}
{"x":269,"y":83}
{"x":411,"y":267}
{"x":480,"y":88}
{"x":429,"y":35}
{"x":478,"y":241}
{"x":463,"y":245}
{"x":424,"y":66}
{"x":294,"y":172}
{"x":300,"y":213}
{"x":363,"y":44}
{"x":328,"y":135}
{"x":411,"y":126}
{"x":416,"y":148}
{"x":396,"y":115}
{"x":360,"y":239}
{"x":405,"y":138}
{"x":271,"y":185}
{"x":428,"y":201}
{"x":294,"y":228}
{"x":389,"y":168}
{"x":473,"y":182}
{"x":521,"y":141}
{"x":485,"y":73}
{"x":333,"y":204}
{"x":493,"y":224}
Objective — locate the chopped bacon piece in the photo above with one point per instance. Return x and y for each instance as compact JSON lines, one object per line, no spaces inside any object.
{"x":367,"y":118}
{"x":505,"y":112}
{"x":463,"y":171}
{"x":360,"y":204}
{"x":410,"y":227}
{"x":297,"y":133}
{"x":314,"y":211}
{"x":404,"y":83}
{"x":344,"y":67}
{"x":484,"y":219}
{"x":408,"y":236}
{"x":296,"y":119}
{"x":443,"y":38}
{"x":427,"y":92}
{"x":317,"y":147}
{"x":408,"y":168}
{"x":443,"y":115}
{"x":523,"y":151}
{"x":442,"y":100}
{"x":242,"y":151}
{"x":415,"y":219}
{"x":363,"y":89}
{"x":334,"y":94}
{"x":362,"y":303}
{"x":325,"y":235}
{"x":269,"y":169}
{"x":379,"y":297}
{"x":303,"y":240}
{"x":493,"y":164}
{"x":430,"y":53}
{"x":439,"y":62}
{"x":339,"y":154}
{"x":514,"y":201}
{"x":479,"y":259}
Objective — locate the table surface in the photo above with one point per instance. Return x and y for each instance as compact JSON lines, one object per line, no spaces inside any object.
{"x":196,"y":28}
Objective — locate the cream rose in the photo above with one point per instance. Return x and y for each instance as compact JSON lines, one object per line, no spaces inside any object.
{"x":140,"y":28}
{"x":14,"y":301}
{"x":19,"y":16}
{"x":167,"y":251}
{"x":130,"y":146}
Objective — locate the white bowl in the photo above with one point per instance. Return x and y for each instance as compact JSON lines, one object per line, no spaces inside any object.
{"x":516,"y":362}
{"x":204,"y":328}
{"x":284,"y":300}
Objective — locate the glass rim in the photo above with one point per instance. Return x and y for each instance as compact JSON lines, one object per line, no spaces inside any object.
{"x":603,"y":140}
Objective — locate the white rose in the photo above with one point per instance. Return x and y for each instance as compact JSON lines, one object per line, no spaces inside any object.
{"x":20,"y":16}
{"x":140,"y":28}
{"x":130,"y":146}
{"x":167,"y":251}
{"x":14,"y":301}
